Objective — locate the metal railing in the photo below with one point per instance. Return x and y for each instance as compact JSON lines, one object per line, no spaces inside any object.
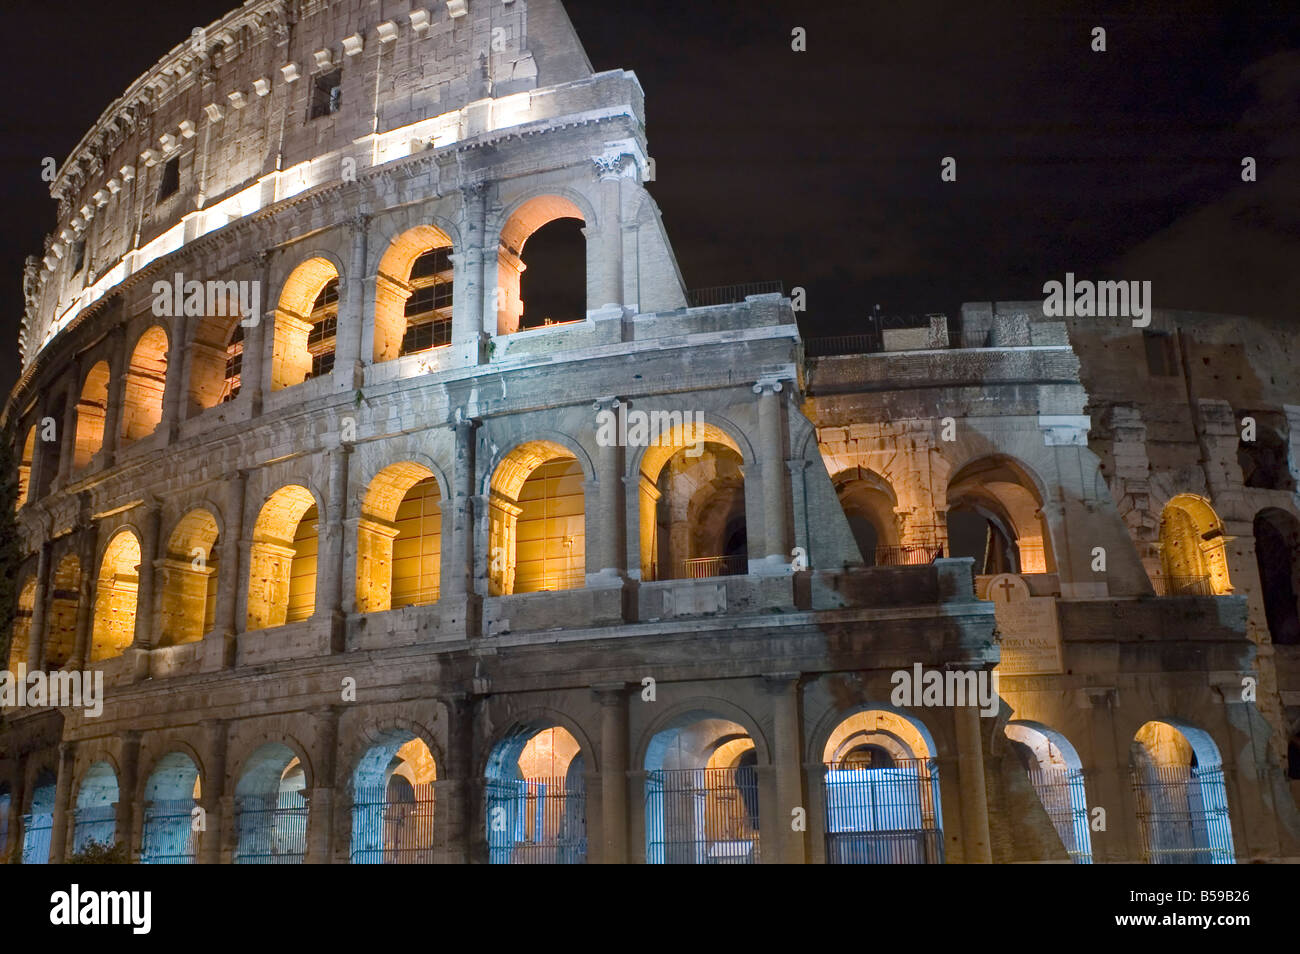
{"x":869,"y":341}
{"x":271,"y":831}
{"x":540,"y":821}
{"x":702,"y":568}
{"x":94,"y":826}
{"x":393,"y":832}
{"x":1183,"y":816}
{"x":702,"y":816}
{"x":907,"y":555}
{"x":37,"y":830}
{"x":168,"y":837}
{"x":731,"y":294}
{"x":1064,"y":797}
{"x":1183,"y":586}
{"x":884,"y":815}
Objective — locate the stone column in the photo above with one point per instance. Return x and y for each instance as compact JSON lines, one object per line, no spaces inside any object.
{"x":88,"y":591}
{"x":68,"y":429}
{"x":253,"y":377}
{"x":473,"y":300}
{"x":977,"y":848}
{"x":320,"y":818}
{"x":36,"y":632}
{"x":787,"y":761}
{"x":613,"y":771}
{"x":458,"y":529}
{"x":606,"y":260}
{"x":348,"y":360}
{"x":118,"y":367}
{"x":220,"y":651}
{"x":145,"y":637}
{"x":465,"y":838}
{"x":129,"y":767}
{"x":212,"y":791}
{"x":177,"y":375}
{"x":771,"y":450}
{"x":62,"y":797}
{"x":610,"y":537}
{"x":329,"y":592}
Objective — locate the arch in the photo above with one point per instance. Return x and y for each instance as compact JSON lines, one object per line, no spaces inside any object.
{"x":1056,"y":773}
{"x":1277,"y":555}
{"x":1266,"y":461}
{"x":96,"y":808}
{"x":536,"y":796}
{"x":414,"y":293}
{"x":92,"y":409}
{"x":537,"y":520}
{"x":146,"y":380}
{"x":6,"y":806}
{"x":393,"y":800}
{"x":1182,"y":800}
{"x":115,"y":596}
{"x":282,"y":559}
{"x":65,"y":595}
{"x":881,"y":787}
{"x":270,"y":809}
{"x":399,"y":539}
{"x":171,"y":793}
{"x":521,"y":222}
{"x":1193,"y":552}
{"x":38,"y":820}
{"x":306,"y":323}
{"x":27,"y":455}
{"x":188,"y":579}
{"x":869,"y":504}
{"x":21,"y":641}
{"x":216,"y":361}
{"x":999,"y":499}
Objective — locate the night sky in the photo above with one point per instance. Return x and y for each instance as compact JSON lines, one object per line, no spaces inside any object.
{"x":821,"y":168}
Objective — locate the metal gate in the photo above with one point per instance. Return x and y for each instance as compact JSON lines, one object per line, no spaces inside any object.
{"x":1183,"y":816}
{"x":1064,"y":798}
{"x":888,"y":815}
{"x":392,"y":832}
{"x":272,"y":831}
{"x":702,"y":816}
{"x":536,"y":822}
{"x":94,"y":826}
{"x":169,"y":837}
{"x":37,"y":830}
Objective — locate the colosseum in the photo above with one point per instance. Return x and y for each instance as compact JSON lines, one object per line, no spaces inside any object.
{"x":379,"y":564}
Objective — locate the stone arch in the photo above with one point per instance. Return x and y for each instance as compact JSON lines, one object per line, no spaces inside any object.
{"x":270,"y":809}
{"x":95,"y":818}
{"x":21,"y":641}
{"x":26,"y":457}
{"x":1182,"y":800}
{"x":188,"y":579}
{"x":144,"y":385}
{"x":537,"y":519}
{"x":305,"y":322}
{"x":172,"y":789}
{"x":38,"y":820}
{"x":1277,"y":555}
{"x":1266,"y":461}
{"x":115,"y":596}
{"x":1056,"y":773}
{"x":216,"y":362}
{"x":282,"y":559}
{"x":92,"y":409}
{"x":1008,"y":497}
{"x":393,"y":799}
{"x":413,"y":304}
{"x":518,"y":224}
{"x":65,"y":596}
{"x":399,"y":539}
{"x":1193,"y":552}
{"x":869,"y":504}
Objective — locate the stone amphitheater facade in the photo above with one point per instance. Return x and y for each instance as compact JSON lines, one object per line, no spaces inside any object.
{"x":368,"y":579}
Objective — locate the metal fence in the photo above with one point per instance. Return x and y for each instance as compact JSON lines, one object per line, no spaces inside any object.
{"x":887,"y":815}
{"x":907,"y":555}
{"x":94,"y":826}
{"x":731,"y":294}
{"x":1064,"y":797}
{"x":702,"y":568}
{"x":271,"y":831}
{"x":538,"y":821}
{"x":37,"y":830}
{"x":1183,"y":586}
{"x":168,"y":837}
{"x":871,"y":340}
{"x":396,"y":831}
{"x":1183,"y":816}
{"x":702,"y":816}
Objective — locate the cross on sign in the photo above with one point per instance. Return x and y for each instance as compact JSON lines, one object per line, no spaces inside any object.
{"x":1006,"y":586}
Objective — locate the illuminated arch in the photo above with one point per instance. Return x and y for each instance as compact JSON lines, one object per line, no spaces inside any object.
{"x":115,"y":597}
{"x":282,"y":560}
{"x":1007,"y":497}
{"x":520,"y":225}
{"x":303,"y":333}
{"x":413,"y":293}
{"x":1182,"y":799}
{"x":92,"y":407}
{"x":270,"y":809}
{"x":218,"y":343}
{"x":393,"y":795}
{"x":188,"y":579}
{"x":1193,"y":553}
{"x":399,"y":539}
{"x":1056,"y":772}
{"x":25,"y":460}
{"x":536,"y":797}
{"x":146,"y":379}
{"x":869,"y":504}
{"x":96,"y":811}
{"x":38,"y":820}
{"x":537,"y":520}
{"x":170,"y":795}
{"x":21,"y":641}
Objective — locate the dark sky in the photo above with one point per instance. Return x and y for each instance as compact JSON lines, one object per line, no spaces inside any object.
{"x":821,"y":168}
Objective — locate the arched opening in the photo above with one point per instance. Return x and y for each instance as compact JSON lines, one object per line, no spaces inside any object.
{"x":96,"y":814}
{"x":216,"y":362}
{"x":399,"y":540}
{"x":1265,"y":461}
{"x":995,"y":516}
{"x":701,"y":793}
{"x":188,"y":577}
{"x":6,"y":805}
{"x":1193,"y":555}
{"x":61,"y":631}
{"x":1277,"y":552}
{"x":882,"y":791}
{"x":170,"y":796}
{"x":25,"y":459}
{"x":870,"y":506}
{"x":21,"y":640}
{"x":282,"y":560}
{"x":537,"y":521}
{"x":551,"y":229}
{"x":271,"y":808}
{"x":115,"y":597}
{"x":692,"y":500}
{"x":306,"y":324}
{"x":92,"y":407}
{"x":1056,"y":773}
{"x":146,"y":378}
{"x":537,"y":798}
{"x":393,"y":802}
{"x":1182,"y":800}
{"x":38,"y":820}
{"x":413,"y":294}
